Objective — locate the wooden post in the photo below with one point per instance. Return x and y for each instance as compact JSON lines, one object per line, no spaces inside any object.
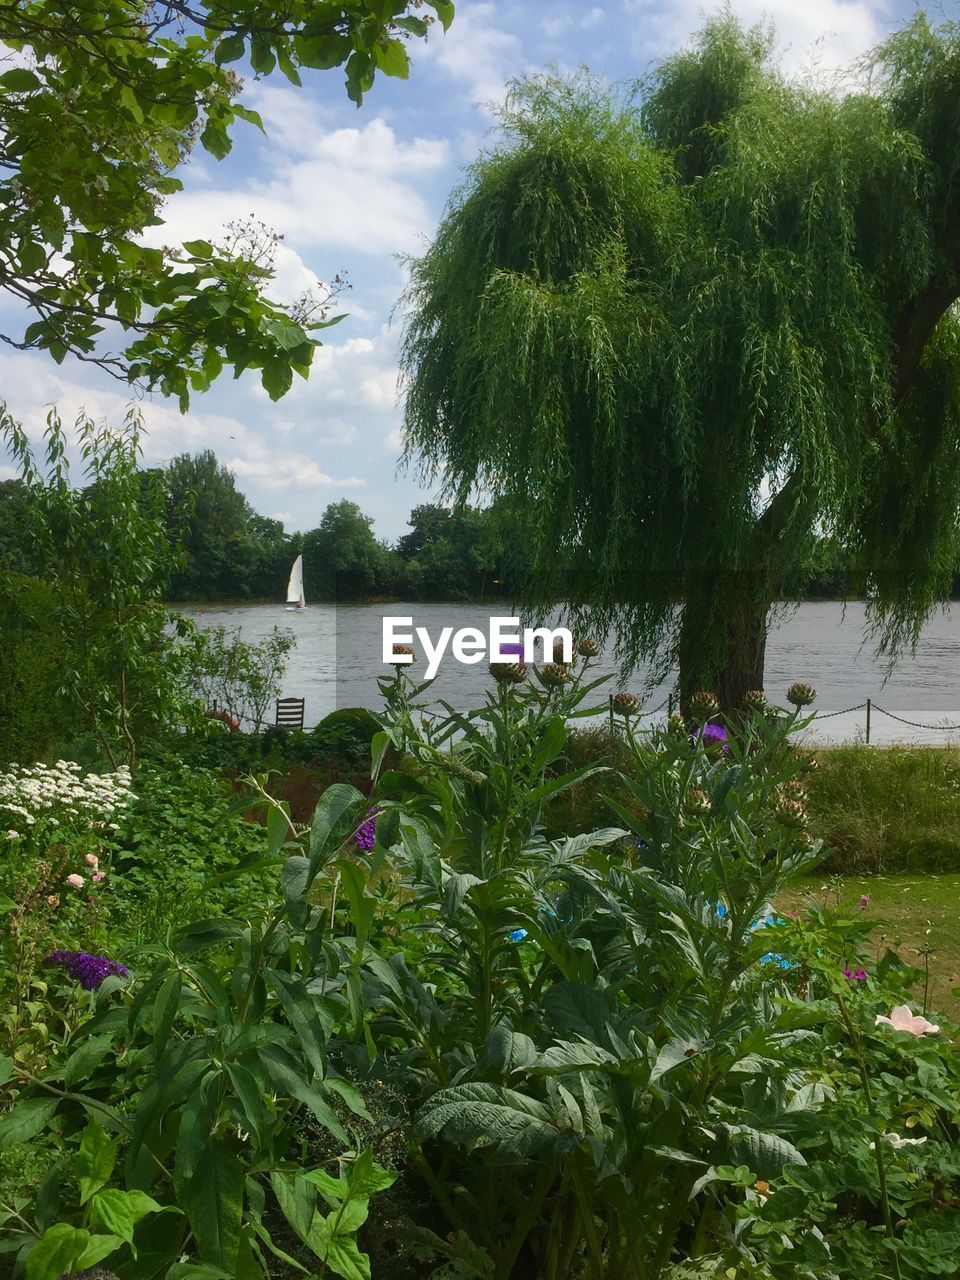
{"x":669,"y":705}
{"x":610,"y":706}
{"x":868,"y":722}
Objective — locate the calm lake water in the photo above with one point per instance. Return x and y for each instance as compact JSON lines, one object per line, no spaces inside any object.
{"x":338,"y":657}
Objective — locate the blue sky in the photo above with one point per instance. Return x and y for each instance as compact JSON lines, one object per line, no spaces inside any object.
{"x":351,"y":190}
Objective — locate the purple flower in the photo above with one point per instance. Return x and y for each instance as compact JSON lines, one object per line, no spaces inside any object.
{"x":855,"y":975}
{"x":366,"y":834}
{"x":712,"y":735}
{"x":86,"y":969}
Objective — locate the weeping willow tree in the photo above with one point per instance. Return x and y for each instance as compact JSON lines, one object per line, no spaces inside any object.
{"x":693,"y":330}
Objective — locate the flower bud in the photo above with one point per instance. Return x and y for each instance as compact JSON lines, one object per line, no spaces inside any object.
{"x":401,"y":651}
{"x":676,"y":724}
{"x":801,"y":695}
{"x":703,"y":705}
{"x":755,"y":700}
{"x":625,"y":704}
{"x":790,"y":811}
{"x":587,"y":647}
{"x":697,"y":801}
{"x":508,"y":672}
{"x":554,"y":675}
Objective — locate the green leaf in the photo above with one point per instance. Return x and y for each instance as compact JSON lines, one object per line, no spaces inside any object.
{"x":572,"y":1008}
{"x":19,"y":80}
{"x":301,"y":1015}
{"x":26,"y":1120}
{"x":95,"y":1160}
{"x":83,"y":1060}
{"x":294,"y":883}
{"x":392,"y":59}
{"x":277,"y":378}
{"x":229,"y":49}
{"x":198,"y":248}
{"x":444,"y":9}
{"x":56,"y":1251}
{"x":335,"y":803}
{"x":165,"y":1009}
{"x":340,"y":1253}
{"x":118,"y":1212}
{"x":100,"y":1247}
{"x":213,"y":1202}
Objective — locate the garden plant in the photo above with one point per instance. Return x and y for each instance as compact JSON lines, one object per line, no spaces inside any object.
{"x":424,"y":1037}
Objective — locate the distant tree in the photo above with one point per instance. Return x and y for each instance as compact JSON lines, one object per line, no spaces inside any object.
{"x":343,"y":559}
{"x":210,"y":519}
{"x":696,"y":333}
{"x":100,"y":105}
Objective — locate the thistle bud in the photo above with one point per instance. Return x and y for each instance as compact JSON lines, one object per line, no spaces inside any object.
{"x":587,"y":647}
{"x":703,"y":705}
{"x":790,"y":811}
{"x":801,"y":695}
{"x":508,"y":672}
{"x":697,"y":801}
{"x":554,"y":675}
{"x":676,"y":724}
{"x":755,"y":700}
{"x":401,"y":651}
{"x":558,"y":652}
{"x":625,"y":704}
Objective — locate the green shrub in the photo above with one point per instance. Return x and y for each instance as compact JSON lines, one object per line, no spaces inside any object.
{"x":31,"y":713}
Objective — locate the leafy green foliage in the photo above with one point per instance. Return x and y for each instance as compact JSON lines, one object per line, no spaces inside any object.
{"x":234,"y":677}
{"x":211,"y":1079}
{"x":720,"y":319}
{"x":31,"y":713}
{"x":95,"y":128}
{"x":104,"y":553}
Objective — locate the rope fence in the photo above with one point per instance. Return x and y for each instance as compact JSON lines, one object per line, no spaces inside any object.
{"x":869,"y":707}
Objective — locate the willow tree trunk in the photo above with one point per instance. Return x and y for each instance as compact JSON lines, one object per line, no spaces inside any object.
{"x":723,"y":635}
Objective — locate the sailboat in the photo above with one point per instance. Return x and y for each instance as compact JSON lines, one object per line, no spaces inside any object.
{"x":295,"y":596}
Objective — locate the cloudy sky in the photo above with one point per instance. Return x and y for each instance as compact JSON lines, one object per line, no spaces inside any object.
{"x":351,"y":190}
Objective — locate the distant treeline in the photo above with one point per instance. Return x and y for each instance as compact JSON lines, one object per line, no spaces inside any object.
{"x":230,"y":552}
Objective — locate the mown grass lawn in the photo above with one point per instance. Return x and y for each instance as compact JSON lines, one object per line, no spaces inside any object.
{"x":915,"y":914}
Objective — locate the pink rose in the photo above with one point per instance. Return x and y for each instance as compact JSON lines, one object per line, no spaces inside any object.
{"x":98,"y":876}
{"x":92,"y":860}
{"x":75,"y":880}
{"x":902,"y":1019}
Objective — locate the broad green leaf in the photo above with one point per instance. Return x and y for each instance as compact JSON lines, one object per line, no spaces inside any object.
{"x":336,"y":802}
{"x":118,"y":1212}
{"x":56,"y":1251}
{"x":19,"y":80}
{"x":574,"y":1009}
{"x":84,"y":1059}
{"x":213,"y":1202}
{"x":95,"y":1160}
{"x":26,"y":1120}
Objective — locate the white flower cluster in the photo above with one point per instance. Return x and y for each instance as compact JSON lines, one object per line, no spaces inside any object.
{"x":60,"y":794}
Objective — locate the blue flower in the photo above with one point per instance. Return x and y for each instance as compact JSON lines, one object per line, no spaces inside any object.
{"x":517,"y":935}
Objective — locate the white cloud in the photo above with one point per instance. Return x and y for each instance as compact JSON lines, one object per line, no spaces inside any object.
{"x":477,"y":53}
{"x":341,"y":189}
{"x":274,"y":470}
{"x":825,"y":34}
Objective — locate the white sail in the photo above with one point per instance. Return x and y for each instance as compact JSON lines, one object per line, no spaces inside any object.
{"x":295,"y":585}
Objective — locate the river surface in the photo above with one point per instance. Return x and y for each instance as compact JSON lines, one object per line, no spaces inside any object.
{"x":337,"y":660}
